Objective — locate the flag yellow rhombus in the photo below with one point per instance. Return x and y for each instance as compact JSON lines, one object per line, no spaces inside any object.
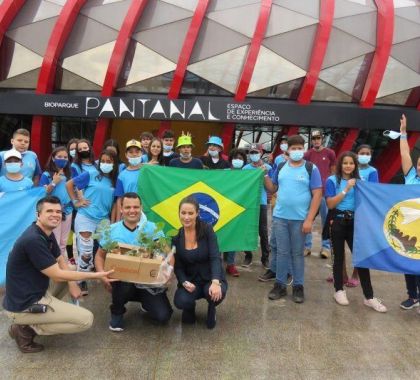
{"x":168,"y":208}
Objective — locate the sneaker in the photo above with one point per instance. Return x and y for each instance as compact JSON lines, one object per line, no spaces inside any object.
{"x":247,"y":261}
{"x":232,"y":270}
{"x":269,"y":275}
{"x":298,"y":295}
{"x":375,"y":304}
{"x":289,"y":279}
{"x":84,"y":288}
{"x":277,"y":292}
{"x":409,"y":304}
{"x":116,"y":323}
{"x":325,"y":253}
{"x":341,"y":297}
{"x":265,"y":263}
{"x":307,"y":252}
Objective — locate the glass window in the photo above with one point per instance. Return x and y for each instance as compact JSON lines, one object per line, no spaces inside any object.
{"x":66,"y":128}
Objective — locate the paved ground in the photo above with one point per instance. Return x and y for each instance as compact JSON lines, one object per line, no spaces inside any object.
{"x":254,"y":339}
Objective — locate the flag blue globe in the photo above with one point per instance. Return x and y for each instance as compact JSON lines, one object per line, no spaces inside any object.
{"x":209,"y":209}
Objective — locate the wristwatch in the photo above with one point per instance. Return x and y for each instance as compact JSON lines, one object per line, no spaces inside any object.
{"x":216,"y":282}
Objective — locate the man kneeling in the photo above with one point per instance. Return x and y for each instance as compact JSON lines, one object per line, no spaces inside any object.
{"x":154,"y":301}
{"x":36,"y":277}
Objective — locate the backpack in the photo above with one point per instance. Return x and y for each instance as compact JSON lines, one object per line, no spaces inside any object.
{"x":309,"y":166}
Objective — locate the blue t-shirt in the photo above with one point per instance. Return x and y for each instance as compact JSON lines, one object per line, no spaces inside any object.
{"x":412,"y":178}
{"x":263,"y":191}
{"x":294,"y":195}
{"x":99,"y":191}
{"x":8,"y":185}
{"x":127,"y":181}
{"x":77,"y":170}
{"x":59,"y":191}
{"x":332,"y":189}
{"x":30,"y":167}
{"x":369,"y":174}
{"x":120,"y":233}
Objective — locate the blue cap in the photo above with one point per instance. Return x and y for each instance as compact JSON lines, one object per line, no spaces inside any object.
{"x":215,"y":140}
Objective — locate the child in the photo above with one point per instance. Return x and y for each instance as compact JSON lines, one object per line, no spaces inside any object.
{"x":168,"y":139}
{"x":340,"y":199}
{"x":84,"y":160}
{"x":14,"y":180}
{"x":30,"y":164}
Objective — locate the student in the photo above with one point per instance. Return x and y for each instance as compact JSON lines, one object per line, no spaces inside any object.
{"x":237,"y":160}
{"x":185,"y":160}
{"x":13,"y":180}
{"x":168,"y":139}
{"x":127,"y":231}
{"x":213,"y":158}
{"x":411,"y":177}
{"x":145,"y":140}
{"x":30,"y":164}
{"x":155,"y":154}
{"x":84,"y":160}
{"x":113,"y":145}
{"x":96,"y":204}
{"x":54,"y":178}
{"x":128,"y":179}
{"x":324,"y":159}
{"x":282,"y":157}
{"x":339,"y":194}
{"x":299,"y":196}
{"x":71,"y":149}
{"x":255,"y":154}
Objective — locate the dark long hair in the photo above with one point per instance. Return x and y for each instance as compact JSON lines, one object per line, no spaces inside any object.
{"x":161,"y":161}
{"x":71,"y":141}
{"x":114,"y":174}
{"x":200,"y":226}
{"x":52,"y":168}
{"x":77,"y":159}
{"x":339,"y":167}
{"x":113,"y":143}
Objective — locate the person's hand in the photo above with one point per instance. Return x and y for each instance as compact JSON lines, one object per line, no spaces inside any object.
{"x":351,"y":183}
{"x":74,"y":290}
{"x":82,"y":203}
{"x":57,"y":177}
{"x":108,"y":283}
{"x":403,"y":125}
{"x":270,"y":158}
{"x":307,"y":226}
{"x":264,"y":168}
{"x":189,"y":286}
{"x":215,"y":292}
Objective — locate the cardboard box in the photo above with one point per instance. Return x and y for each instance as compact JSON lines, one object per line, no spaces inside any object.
{"x":133,"y":269}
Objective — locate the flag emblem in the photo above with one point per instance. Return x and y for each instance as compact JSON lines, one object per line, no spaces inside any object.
{"x":214,"y":207}
{"x":402,"y":228}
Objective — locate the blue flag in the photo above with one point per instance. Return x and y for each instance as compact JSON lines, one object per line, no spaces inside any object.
{"x":387,"y":227}
{"x":17,"y":212}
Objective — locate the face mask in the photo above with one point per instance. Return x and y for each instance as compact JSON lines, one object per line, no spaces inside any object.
{"x":134,"y":161}
{"x":296,"y":155}
{"x":106,"y":168}
{"x":13,"y":167}
{"x":168,"y":148}
{"x":237,"y":163}
{"x":363,"y":159}
{"x":283,"y":147}
{"x":84,"y":154}
{"x":392,"y":134}
{"x":185,"y":156}
{"x":213,"y":153}
{"x":60,"y":162}
{"x":255,"y":157}
{"x":72,"y":153}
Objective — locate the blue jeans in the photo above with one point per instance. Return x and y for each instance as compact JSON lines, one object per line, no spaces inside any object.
{"x":230,"y":257}
{"x":289,"y":243}
{"x":273,"y":246}
{"x":323,"y":210}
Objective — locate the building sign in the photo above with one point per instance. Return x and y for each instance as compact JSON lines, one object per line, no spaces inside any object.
{"x":252,"y":111}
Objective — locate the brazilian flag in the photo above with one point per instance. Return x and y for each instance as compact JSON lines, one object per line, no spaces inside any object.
{"x":229,"y":200}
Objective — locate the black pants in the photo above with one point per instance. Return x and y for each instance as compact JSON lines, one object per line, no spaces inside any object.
{"x":263,"y":232}
{"x":186,"y":300}
{"x":412,"y":283}
{"x":341,"y":232}
{"x":157,"y":305}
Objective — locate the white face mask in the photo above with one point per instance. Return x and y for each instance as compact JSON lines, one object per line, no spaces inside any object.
{"x":185,"y":156}
{"x":392,"y":134}
{"x":237,"y":163}
{"x":213,"y":153}
{"x":283,"y":147}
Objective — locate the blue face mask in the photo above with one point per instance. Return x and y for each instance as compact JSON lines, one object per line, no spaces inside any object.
{"x":363,"y":159}
{"x":167,"y":148}
{"x":61,"y":163}
{"x":283,"y":147}
{"x":296,"y":155}
{"x":13,"y":167}
{"x":237,"y":163}
{"x":134,"y":161}
{"x":72,"y":153}
{"x":255,"y":157}
{"x":106,"y":168}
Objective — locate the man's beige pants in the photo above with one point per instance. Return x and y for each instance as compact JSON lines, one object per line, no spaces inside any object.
{"x":60,"y":318}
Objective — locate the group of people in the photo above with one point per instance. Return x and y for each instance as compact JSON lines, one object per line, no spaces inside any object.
{"x":82,"y":191}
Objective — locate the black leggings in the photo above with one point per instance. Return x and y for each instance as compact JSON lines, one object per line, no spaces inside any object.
{"x":341,"y":232}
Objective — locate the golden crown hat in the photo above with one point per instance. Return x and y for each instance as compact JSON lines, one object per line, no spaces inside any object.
{"x":184,"y":139}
